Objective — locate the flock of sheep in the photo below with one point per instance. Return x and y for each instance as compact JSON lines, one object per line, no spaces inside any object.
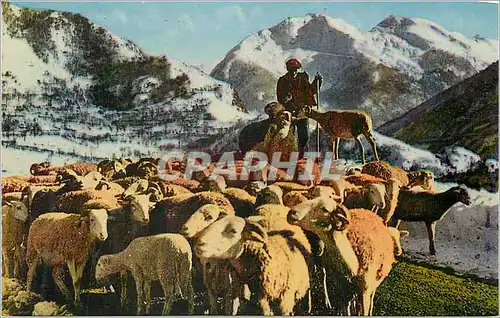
{"x":287,"y":247}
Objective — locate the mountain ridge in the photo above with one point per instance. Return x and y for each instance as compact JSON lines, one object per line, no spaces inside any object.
{"x":385,"y":71}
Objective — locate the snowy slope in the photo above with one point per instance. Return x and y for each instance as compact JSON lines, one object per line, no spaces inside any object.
{"x":53,"y":86}
{"x":386,"y":71}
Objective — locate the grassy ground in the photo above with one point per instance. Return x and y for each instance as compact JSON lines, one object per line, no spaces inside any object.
{"x":417,"y":290}
{"x":412,"y":289}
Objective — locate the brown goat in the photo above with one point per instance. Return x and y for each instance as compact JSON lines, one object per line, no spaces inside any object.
{"x":343,"y":124}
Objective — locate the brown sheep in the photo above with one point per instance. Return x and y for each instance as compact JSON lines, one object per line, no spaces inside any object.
{"x":363,"y":179}
{"x":359,"y":250}
{"x":13,"y":184}
{"x":385,"y":171}
{"x":57,"y":239}
{"x":81,"y":168}
{"x":343,"y":124}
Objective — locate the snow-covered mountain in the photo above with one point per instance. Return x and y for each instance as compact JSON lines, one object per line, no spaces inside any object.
{"x":72,"y":87}
{"x":392,"y":68}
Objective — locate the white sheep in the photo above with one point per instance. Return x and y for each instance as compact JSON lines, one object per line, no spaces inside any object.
{"x":14,"y":216}
{"x":383,"y":197}
{"x":164,"y":257}
{"x":56,"y":239}
{"x":273,"y":266}
{"x":217,"y":277}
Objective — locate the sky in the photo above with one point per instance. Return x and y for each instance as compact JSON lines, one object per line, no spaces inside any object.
{"x":203,"y":32}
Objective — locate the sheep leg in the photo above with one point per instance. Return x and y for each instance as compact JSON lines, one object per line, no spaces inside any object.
{"x":7,"y":263}
{"x":431,"y":231}
{"x":335,"y":147}
{"x":57,"y":274}
{"x":147,"y":293}
{"x":372,"y":298}
{"x":189,"y":293}
{"x":371,"y":140}
{"x":139,"y":286}
{"x":74,"y":272}
{"x":168,"y":292}
{"x":123,"y":289}
{"x":263,"y":304}
{"x":31,"y":273}
{"x":361,"y":148}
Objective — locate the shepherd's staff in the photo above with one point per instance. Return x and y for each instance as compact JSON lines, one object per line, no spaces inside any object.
{"x":317,"y":104}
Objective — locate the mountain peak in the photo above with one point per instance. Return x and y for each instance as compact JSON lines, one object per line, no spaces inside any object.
{"x":393,"y":21}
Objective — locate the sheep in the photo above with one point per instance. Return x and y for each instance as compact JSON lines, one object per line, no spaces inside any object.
{"x":76,"y":201}
{"x":428,"y":207}
{"x":339,"y":186}
{"x":81,"y":168}
{"x":216,"y":274}
{"x":56,"y":239}
{"x":422,"y":178}
{"x":164,"y":257}
{"x":14,"y":215}
{"x":112,"y":187}
{"x":254,"y":187}
{"x":124,"y":224}
{"x":13,"y":184}
{"x":293,"y":198}
{"x":255,"y":132}
{"x":43,"y":179}
{"x":241,"y":201}
{"x":359,"y":249}
{"x":362,"y":179}
{"x":170,"y":214}
{"x":275,"y":271}
{"x":144,"y":168}
{"x":343,"y":124}
{"x":269,"y":195}
{"x":280,"y":137}
{"x":385,"y":171}
{"x":384,"y":197}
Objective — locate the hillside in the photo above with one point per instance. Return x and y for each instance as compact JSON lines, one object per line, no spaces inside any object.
{"x":464,"y":115}
{"x":73,"y":88}
{"x":392,"y":68}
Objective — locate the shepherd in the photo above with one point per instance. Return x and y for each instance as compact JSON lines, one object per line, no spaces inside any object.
{"x":294,"y":92}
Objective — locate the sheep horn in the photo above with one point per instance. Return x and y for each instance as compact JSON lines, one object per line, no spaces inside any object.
{"x":8,"y":203}
{"x":106,"y":183}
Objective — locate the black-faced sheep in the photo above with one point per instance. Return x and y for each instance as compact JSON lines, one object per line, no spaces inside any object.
{"x":165,"y":257}
{"x":56,"y":239}
{"x":343,"y":124}
{"x":14,"y":215}
{"x":428,"y":207}
{"x":359,"y":250}
{"x":275,"y":271}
